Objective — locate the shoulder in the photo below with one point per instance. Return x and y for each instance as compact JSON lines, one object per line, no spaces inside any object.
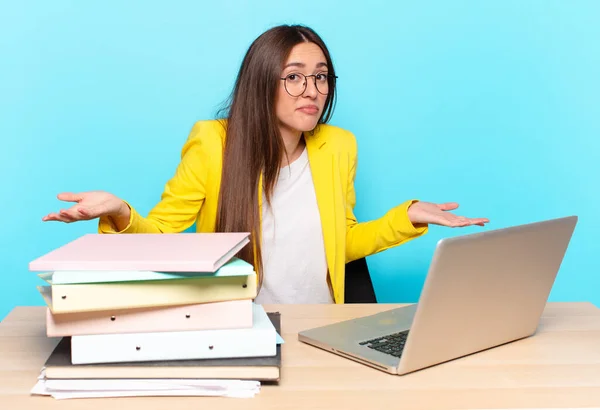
{"x":337,"y":138}
{"x":207,"y":136}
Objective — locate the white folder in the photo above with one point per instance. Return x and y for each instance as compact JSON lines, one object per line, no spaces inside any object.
{"x":258,"y":341}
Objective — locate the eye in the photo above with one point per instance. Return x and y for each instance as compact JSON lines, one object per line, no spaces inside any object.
{"x":295,"y":78}
{"x":321,"y":77}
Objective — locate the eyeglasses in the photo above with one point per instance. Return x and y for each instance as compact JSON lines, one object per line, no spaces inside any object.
{"x":295,"y":83}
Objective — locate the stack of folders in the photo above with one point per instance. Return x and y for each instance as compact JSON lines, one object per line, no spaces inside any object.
{"x":173,"y":311}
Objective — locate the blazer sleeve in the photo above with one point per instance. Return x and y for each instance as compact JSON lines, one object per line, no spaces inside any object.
{"x":183,"y":194}
{"x":370,"y":237}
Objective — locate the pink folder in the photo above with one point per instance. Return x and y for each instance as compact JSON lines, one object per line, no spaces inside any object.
{"x":166,"y":252}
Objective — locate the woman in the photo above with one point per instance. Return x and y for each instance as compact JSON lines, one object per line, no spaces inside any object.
{"x":274,"y":168}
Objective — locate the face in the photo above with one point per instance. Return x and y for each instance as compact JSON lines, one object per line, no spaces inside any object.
{"x":299,"y":109}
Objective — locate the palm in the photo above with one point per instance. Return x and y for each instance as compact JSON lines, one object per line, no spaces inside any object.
{"x":437,"y":214}
{"x":88,"y":205}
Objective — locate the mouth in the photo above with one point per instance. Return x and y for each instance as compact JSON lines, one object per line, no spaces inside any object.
{"x":309,"y":109}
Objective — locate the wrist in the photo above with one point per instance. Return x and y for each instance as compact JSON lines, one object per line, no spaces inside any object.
{"x":124,"y":210}
{"x":412,"y":212}
{"x":120,"y":218}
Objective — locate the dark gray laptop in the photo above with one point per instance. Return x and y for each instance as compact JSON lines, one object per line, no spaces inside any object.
{"x":482,"y":290}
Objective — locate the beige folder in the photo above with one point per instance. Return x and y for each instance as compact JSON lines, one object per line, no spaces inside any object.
{"x":231,"y":314}
{"x":104,"y":296}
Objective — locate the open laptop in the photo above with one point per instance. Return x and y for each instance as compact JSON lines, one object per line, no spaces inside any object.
{"x":482,"y":290}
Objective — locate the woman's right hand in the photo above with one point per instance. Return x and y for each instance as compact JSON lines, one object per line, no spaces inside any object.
{"x":90,"y":205}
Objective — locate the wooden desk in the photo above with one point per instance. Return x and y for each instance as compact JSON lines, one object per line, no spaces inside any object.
{"x":558,"y":367}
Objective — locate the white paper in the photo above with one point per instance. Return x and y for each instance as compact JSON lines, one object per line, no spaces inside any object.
{"x":148,"y":384}
{"x":96,"y":388}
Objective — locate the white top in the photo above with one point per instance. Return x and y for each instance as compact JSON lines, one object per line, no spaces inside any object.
{"x":293,"y":251}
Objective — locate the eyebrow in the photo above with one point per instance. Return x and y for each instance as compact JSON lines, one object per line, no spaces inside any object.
{"x":302,"y":65}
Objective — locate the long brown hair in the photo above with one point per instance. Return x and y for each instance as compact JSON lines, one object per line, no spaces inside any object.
{"x":253,"y":143}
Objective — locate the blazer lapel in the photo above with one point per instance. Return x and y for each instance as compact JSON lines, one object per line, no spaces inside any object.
{"x":321,"y":167}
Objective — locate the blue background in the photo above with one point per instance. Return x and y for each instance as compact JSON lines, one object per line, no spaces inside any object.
{"x":491,"y":104}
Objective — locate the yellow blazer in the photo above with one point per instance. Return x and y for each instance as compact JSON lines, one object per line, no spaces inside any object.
{"x":191,"y":196}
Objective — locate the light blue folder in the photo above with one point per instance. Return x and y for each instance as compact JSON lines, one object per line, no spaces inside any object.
{"x":235,"y":267}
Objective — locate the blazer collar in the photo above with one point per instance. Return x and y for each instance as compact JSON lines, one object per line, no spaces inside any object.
{"x":321,"y":167}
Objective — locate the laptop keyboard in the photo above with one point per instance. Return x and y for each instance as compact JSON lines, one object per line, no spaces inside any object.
{"x":391,"y":344}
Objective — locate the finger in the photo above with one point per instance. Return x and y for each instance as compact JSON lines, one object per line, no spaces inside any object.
{"x":85,"y":212}
{"x":457,"y":221}
{"x":449,"y":220}
{"x":69,"y":197}
{"x":55,"y":217}
{"x":462,"y":221}
{"x":448,"y":206}
{"x":479,"y":221}
{"x":93,"y":212}
{"x":69,"y":215}
{"x":51,"y":217}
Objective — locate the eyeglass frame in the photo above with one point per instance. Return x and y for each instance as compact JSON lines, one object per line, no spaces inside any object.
{"x":329,"y":77}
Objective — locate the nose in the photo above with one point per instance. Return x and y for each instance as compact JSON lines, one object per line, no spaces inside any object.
{"x":311,"y":87}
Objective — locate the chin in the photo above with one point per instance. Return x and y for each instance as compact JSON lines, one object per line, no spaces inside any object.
{"x":307,"y":124}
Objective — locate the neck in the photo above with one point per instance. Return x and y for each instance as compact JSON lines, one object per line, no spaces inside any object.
{"x":293,"y":143}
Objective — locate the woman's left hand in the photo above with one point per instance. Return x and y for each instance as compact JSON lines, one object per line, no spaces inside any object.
{"x":437,"y":214}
